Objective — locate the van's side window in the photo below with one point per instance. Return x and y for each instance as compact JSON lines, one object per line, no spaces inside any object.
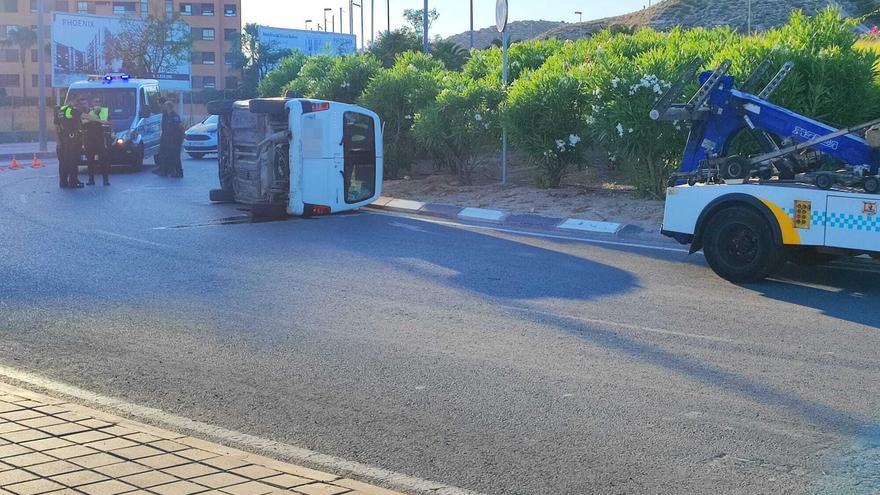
{"x":152,"y":94}
{"x":359,"y":149}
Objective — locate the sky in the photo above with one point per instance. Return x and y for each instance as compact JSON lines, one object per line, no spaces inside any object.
{"x":454,"y":14}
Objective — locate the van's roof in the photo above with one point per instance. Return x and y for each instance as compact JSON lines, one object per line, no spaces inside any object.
{"x":131,"y":83}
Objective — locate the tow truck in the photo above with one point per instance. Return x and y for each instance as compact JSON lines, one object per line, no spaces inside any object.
{"x":809,"y":197}
{"x":297,"y":156}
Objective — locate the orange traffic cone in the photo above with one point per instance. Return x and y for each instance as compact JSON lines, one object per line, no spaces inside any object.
{"x":36,"y":163}
{"x":14,"y":165}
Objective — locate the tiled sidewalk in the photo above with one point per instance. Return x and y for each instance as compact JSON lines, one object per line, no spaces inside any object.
{"x":48,"y":446}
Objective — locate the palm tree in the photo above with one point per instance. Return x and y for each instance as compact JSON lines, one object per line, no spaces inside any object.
{"x":24,"y":38}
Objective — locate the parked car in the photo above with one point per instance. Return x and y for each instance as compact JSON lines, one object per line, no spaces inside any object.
{"x":201,"y":138}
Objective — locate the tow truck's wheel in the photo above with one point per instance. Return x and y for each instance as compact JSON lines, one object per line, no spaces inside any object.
{"x":268,"y":211}
{"x":809,"y":257}
{"x":824,"y":181}
{"x":871,"y":185}
{"x":739,"y":246}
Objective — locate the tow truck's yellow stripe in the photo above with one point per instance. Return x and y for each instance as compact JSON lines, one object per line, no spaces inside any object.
{"x":790,"y":235}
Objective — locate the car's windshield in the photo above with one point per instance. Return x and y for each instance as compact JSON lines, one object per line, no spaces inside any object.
{"x":212,"y":119}
{"x":120,"y":102}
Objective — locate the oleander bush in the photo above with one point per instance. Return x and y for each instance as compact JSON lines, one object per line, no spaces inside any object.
{"x":565,"y":97}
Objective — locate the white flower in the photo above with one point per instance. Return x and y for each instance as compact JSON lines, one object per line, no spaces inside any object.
{"x":478,"y":117}
{"x":619,"y":129}
{"x":630,"y":130}
{"x":573,"y":140}
{"x":600,"y":51}
{"x":615,"y":82}
{"x":407,"y":117}
{"x":560,"y":144}
{"x":590,"y":120}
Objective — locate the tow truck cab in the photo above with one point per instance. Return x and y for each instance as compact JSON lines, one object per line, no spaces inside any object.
{"x":297,"y":156}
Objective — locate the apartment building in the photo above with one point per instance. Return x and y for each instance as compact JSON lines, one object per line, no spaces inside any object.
{"x":214,"y":25}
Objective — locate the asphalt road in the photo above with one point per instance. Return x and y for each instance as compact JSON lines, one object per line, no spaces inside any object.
{"x":496,"y":362}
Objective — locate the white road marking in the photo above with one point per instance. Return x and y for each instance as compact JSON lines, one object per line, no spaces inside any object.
{"x":237,"y":438}
{"x":590,"y":226}
{"x":627,"y":326}
{"x":132,"y":239}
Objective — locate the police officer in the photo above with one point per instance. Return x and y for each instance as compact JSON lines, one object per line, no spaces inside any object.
{"x":70,"y":144}
{"x":170,"y":143}
{"x":96,"y":133}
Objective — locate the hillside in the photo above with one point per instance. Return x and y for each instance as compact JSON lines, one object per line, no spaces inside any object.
{"x":519,"y":30}
{"x":704,"y":13}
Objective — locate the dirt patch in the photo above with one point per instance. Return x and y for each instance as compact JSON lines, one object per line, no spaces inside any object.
{"x":594,"y":194}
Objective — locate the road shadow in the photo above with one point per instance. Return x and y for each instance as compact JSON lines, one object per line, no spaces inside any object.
{"x":839,"y":291}
{"x":481,"y":263}
{"x":826,"y":417}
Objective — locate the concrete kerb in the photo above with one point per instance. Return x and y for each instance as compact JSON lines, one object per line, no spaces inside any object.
{"x":24,"y":157}
{"x":499,"y":217}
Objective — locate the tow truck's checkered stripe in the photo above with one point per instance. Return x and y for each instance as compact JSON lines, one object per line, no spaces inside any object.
{"x":842,"y":221}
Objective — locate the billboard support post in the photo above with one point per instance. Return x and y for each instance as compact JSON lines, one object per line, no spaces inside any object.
{"x":41,"y":73}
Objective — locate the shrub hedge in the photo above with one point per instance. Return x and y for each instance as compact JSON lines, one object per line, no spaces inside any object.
{"x":566,"y":96}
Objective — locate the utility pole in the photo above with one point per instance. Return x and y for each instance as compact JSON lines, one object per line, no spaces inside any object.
{"x":363,"y":41}
{"x":340,"y":20}
{"x":472,"y":24}
{"x":372,"y":22}
{"x":750,"y":17}
{"x":351,"y":17}
{"x":388,"y":12}
{"x":425,"y":27}
{"x":334,"y":24}
{"x":41,"y":73}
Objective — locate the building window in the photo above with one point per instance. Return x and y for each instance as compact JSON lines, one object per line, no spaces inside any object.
{"x":230,"y":34}
{"x":34,"y":56}
{"x":10,"y":55}
{"x":61,"y":6}
{"x":145,"y":8}
{"x":208,"y":34}
{"x":82,"y":7}
{"x":186,"y":9}
{"x":169,"y":7}
{"x":208,"y":58}
{"x":230,"y":10}
{"x":10,"y":80}
{"x":228,"y":58}
{"x":231,"y":82}
{"x":207,"y":9}
{"x":34,"y":5}
{"x":9,"y":6}
{"x":35,"y":80}
{"x":123,"y":7}
{"x":209,"y":82}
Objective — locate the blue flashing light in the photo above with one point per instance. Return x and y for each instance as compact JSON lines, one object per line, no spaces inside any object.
{"x":124,"y":77}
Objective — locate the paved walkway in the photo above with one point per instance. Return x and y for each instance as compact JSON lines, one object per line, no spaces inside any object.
{"x":49,"y":446}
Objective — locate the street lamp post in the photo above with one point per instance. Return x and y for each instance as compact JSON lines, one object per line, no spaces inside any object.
{"x":360,"y":6}
{"x":372,"y":22}
{"x":308,"y":21}
{"x":425,"y":27}
{"x":472,"y":24}
{"x":340,"y":20}
{"x":351,"y":17}
{"x":750,"y":17}
{"x":41,"y":73}
{"x":388,"y":12}
{"x":326,"y":9}
{"x":334,"y":24}
{"x":580,"y":15}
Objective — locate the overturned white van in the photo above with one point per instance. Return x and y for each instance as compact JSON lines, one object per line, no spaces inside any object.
{"x":297,"y":156}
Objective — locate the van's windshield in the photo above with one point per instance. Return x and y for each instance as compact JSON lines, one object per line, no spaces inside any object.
{"x":121,"y":103}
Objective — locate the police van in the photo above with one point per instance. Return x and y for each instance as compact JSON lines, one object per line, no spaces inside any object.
{"x":132,"y":110}
{"x":297,"y":156}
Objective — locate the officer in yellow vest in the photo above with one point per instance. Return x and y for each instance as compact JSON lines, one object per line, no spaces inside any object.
{"x":68,"y":121}
{"x":96,"y":136}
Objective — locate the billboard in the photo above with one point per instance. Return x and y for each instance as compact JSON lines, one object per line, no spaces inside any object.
{"x":308,"y":42}
{"x":83,"y":45}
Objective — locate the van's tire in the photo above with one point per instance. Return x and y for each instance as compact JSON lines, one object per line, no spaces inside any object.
{"x":740,"y":247}
{"x":220,"y":107}
{"x":196,"y":156}
{"x":221,"y":196}
{"x":273,"y":106}
{"x":807,"y":256}
{"x":268,"y":211}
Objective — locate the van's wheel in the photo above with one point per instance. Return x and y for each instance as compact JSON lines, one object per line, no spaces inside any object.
{"x":872,"y":185}
{"x":221,"y":196}
{"x":806,"y":256}
{"x":196,"y":156}
{"x":739,"y":246}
